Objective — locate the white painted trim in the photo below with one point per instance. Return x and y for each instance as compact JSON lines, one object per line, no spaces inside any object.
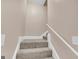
{"x":50,"y":45}
{"x":63,"y":40}
{"x":31,"y":37}
{"x":17,"y":48}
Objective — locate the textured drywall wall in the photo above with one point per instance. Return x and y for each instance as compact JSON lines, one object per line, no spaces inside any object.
{"x":36,"y":19}
{"x":12,"y":24}
{"x":62,"y":17}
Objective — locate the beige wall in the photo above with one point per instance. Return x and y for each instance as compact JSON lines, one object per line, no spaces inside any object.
{"x":62,"y":17}
{"x":12,"y":24}
{"x":36,"y":19}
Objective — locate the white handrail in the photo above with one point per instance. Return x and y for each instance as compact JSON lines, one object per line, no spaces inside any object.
{"x":62,"y":39}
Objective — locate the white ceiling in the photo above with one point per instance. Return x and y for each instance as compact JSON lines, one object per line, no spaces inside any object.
{"x":39,"y":2}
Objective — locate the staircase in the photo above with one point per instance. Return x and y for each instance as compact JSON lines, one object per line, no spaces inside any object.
{"x":34,"y":49}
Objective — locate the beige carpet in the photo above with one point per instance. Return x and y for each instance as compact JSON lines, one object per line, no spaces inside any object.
{"x":34,"y":49}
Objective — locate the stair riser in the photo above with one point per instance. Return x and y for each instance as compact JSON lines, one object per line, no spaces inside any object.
{"x":42,"y":54}
{"x":33,"y":45}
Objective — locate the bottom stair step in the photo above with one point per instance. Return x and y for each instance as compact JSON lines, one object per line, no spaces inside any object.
{"x":48,"y":58}
{"x":37,"y":53}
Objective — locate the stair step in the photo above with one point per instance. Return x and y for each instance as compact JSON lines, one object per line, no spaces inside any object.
{"x":33,"y":43}
{"x":47,"y":58}
{"x":36,"y":53}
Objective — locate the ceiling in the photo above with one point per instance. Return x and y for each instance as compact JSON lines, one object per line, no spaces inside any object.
{"x":38,"y":2}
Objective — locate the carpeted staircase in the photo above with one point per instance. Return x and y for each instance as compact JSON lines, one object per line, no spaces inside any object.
{"x":34,"y":49}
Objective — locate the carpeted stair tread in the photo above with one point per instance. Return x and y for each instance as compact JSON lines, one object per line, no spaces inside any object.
{"x":34,"y":53}
{"x":47,"y":58}
{"x":33,"y":43}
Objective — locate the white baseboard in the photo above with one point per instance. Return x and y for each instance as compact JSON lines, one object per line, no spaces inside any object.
{"x":17,"y":47}
{"x":50,"y":45}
